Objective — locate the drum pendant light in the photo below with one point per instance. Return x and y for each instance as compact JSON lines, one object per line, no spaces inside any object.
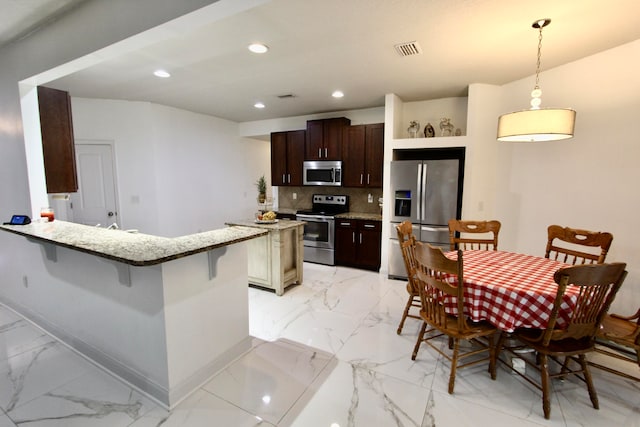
{"x":537,"y":124}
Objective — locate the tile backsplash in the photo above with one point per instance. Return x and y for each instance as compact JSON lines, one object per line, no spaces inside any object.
{"x":358,"y":197}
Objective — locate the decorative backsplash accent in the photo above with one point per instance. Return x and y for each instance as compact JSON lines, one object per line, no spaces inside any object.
{"x":358,"y":197}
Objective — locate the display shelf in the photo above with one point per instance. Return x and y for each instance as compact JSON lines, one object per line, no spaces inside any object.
{"x":435,"y":142}
{"x":430,"y":111}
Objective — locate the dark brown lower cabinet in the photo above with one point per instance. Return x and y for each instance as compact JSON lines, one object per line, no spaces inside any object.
{"x":358,"y":243}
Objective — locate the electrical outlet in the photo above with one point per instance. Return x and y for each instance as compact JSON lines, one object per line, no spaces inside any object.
{"x":294,"y":196}
{"x":370,"y":198}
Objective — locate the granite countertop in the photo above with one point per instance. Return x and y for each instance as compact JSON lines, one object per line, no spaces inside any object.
{"x":360,"y":215}
{"x":347,"y":215}
{"x":287,"y":211}
{"x":280,"y":224}
{"x":131,"y":248}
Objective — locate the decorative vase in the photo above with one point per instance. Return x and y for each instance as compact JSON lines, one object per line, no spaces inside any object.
{"x":413,"y":129}
{"x":429,"y":131}
{"x":446,"y":128}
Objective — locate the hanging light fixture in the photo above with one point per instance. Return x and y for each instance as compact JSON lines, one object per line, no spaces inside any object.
{"x":537,"y":124}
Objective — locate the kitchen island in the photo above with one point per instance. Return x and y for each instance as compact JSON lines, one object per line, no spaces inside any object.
{"x":275,"y":259}
{"x":163,"y":314}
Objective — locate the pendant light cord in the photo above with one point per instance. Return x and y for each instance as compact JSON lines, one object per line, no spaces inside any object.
{"x":539,"y":58}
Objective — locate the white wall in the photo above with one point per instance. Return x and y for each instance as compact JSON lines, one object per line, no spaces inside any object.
{"x":177,"y":172}
{"x":589,"y":181}
{"x":130,"y":126}
{"x":206,"y":174}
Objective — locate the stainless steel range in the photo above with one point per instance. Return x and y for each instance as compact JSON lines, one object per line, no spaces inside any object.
{"x":319,"y":230}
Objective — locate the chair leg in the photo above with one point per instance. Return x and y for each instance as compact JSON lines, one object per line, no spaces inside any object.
{"x":454,"y":364}
{"x":587,"y":377}
{"x":423,"y":328}
{"x":405,"y":314}
{"x":544,"y":374}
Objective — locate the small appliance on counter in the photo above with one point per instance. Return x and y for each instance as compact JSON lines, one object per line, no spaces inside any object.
{"x":319,"y":230}
{"x":18,"y":220}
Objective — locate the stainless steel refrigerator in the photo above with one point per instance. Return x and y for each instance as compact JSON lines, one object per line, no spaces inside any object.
{"x":427,"y":193}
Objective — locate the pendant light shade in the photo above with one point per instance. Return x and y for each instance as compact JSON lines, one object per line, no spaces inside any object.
{"x":546,"y":124}
{"x":537,"y":124}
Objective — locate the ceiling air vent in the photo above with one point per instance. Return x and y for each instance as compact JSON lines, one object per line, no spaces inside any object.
{"x":408,"y":48}
{"x":288,"y":95}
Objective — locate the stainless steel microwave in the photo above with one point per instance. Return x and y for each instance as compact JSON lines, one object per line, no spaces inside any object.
{"x":322,"y":172}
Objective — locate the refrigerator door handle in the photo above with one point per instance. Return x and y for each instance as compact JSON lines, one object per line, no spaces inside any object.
{"x":423,"y":193}
{"x":435,"y":228}
{"x":418,"y":197}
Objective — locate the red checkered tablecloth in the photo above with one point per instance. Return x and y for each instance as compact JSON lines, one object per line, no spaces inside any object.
{"x":512,"y":290}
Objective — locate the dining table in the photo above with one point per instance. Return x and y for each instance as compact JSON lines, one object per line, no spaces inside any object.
{"x":511,"y":290}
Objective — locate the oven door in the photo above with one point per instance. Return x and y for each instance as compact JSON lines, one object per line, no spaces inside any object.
{"x":318,"y":231}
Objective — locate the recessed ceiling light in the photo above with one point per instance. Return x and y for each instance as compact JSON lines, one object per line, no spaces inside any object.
{"x":259,"y":105}
{"x":337,"y":94}
{"x":161,"y":73}
{"x":258,"y":48}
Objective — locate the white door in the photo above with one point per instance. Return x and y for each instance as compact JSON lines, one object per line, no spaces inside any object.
{"x":95,"y":201}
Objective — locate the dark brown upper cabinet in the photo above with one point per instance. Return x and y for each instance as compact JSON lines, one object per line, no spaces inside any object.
{"x":287,"y":156}
{"x":324,"y":138}
{"x":58,"y":148}
{"x":363,"y":156}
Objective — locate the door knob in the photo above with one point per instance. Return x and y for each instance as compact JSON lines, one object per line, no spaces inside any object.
{"x":110,"y":214}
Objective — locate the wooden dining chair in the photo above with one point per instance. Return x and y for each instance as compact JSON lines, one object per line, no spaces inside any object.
{"x":441,"y":279}
{"x":407,"y":245}
{"x":596,"y":287}
{"x":468,"y":235}
{"x":575,"y":246}
{"x":619,"y":337}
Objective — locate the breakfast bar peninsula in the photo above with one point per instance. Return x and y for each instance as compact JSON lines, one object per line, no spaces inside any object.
{"x":164,"y":314}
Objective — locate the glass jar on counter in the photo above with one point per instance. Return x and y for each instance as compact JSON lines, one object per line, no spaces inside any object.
{"x":47,"y":214}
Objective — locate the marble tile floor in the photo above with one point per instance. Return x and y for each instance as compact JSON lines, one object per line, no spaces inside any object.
{"x":325,"y":354}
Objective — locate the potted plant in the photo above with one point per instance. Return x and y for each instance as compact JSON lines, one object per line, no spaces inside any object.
{"x":261,"y":184}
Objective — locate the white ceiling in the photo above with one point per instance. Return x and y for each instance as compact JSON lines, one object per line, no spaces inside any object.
{"x":317,"y":46}
{"x":19,"y":17}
